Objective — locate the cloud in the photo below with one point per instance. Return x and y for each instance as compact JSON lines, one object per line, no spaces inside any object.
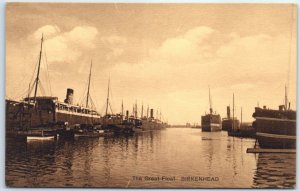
{"x":47,"y":30}
{"x":190,"y":45}
{"x":67,"y":46}
{"x":202,"y":52}
{"x":251,"y":66}
{"x":64,"y":51}
{"x":82,"y":36}
{"x":115,"y":44}
{"x":173,"y":75}
{"x":114,"y":39}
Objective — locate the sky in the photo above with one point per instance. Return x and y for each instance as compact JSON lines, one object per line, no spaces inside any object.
{"x":165,"y":56}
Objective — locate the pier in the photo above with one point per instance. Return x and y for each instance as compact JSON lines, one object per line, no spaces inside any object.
{"x":259,"y":150}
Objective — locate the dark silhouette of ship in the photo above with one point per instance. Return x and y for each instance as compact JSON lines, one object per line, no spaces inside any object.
{"x":211,"y":121}
{"x":43,"y":115}
{"x":276,"y":129}
{"x":151,"y":123}
{"x":116,"y":123}
{"x":227,"y":123}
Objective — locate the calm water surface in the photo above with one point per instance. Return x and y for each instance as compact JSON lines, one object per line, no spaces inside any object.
{"x":175,"y":152}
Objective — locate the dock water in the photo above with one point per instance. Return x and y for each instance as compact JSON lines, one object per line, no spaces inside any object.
{"x":108,"y":161}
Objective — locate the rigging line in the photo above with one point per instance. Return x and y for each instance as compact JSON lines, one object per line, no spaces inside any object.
{"x":93,"y":104}
{"x":32,"y":80}
{"x":290,"y":49}
{"x":103,"y":108}
{"x":90,"y":105}
{"x":35,"y":68}
{"x":42,"y":89}
{"x":94,"y":92}
{"x":19,"y":91}
{"x":111,"y":100}
{"x":110,"y":108}
{"x":24,"y":94}
{"x":20,"y":94}
{"x":83,"y":96}
{"x":47,"y":68}
{"x":92,"y":101}
{"x":42,"y":71}
{"x":31,"y":88}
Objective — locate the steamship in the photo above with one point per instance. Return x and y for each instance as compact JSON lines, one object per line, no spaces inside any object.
{"x":116,"y":122}
{"x":211,"y":121}
{"x":275,"y":129}
{"x":150,"y":123}
{"x":235,"y":129}
{"x":229,"y":122}
{"x":43,"y":115}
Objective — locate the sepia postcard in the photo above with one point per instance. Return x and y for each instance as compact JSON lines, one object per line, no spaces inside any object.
{"x":150,"y":95}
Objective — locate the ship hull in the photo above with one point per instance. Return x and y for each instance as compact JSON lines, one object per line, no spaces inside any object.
{"x":227,"y":124}
{"x":273,"y":141}
{"x":152,"y":125}
{"x":211,"y":128}
{"x":275,"y":132}
{"x":22,"y":116}
{"x":211,"y":123}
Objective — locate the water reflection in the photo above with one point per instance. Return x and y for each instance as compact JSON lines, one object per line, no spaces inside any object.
{"x":275,"y":171}
{"x":112,"y":161}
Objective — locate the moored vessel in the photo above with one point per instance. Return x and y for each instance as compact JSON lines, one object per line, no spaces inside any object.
{"x":45,"y":113}
{"x":229,"y":122}
{"x":234,"y":129}
{"x":211,"y":121}
{"x":115,"y":122}
{"x":152,"y":123}
{"x":275,"y":129}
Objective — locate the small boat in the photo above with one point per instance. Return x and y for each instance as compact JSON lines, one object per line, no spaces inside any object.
{"x":84,"y":130}
{"x":40,"y":136}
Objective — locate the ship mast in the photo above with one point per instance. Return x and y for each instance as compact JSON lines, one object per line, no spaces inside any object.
{"x":210,"y":107}
{"x":28,"y":93}
{"x":107,"y":100}
{"x":135,"y":110}
{"x":147,"y":111}
{"x":38,"y":72}
{"x":285,"y":98}
{"x":122,"y":110}
{"x":142,"y":111}
{"x":241,"y":117}
{"x":88,"y":91}
{"x":233,"y":112}
{"x":160,"y":115}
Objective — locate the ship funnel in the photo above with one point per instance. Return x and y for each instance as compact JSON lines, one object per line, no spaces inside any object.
{"x":127,"y":114}
{"x":228,"y":112}
{"x":281,"y":107}
{"x":69,"y":96}
{"x":151,"y":113}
